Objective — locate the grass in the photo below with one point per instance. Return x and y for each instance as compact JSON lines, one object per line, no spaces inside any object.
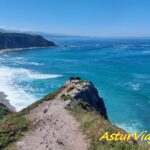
{"x":65,"y":97}
{"x":12,"y":128}
{"x":46,"y":98}
{"x":14,"y":125}
{"x":93,"y":126}
{"x":70,"y":89}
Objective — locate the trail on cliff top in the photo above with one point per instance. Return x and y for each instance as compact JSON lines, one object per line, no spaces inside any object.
{"x":55,"y":129}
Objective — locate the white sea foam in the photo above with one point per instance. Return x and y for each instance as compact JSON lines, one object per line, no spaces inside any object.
{"x":145,"y":45}
{"x":122,"y":46}
{"x":25,"y":74}
{"x":36,"y":64}
{"x":130,"y":127}
{"x":43,"y":76}
{"x":141,"y":76}
{"x":73,"y":46}
{"x":146,"y":52}
{"x":134,"y":86}
{"x":18,"y":49}
{"x":16,"y":94}
{"x":24,"y":61}
{"x":139,"y":105}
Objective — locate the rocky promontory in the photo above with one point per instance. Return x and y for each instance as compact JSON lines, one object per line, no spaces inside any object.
{"x":5,"y":107}
{"x":73,"y":117}
{"x":84,"y":91}
{"x":22,"y":40}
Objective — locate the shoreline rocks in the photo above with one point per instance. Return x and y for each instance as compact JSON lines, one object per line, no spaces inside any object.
{"x":5,"y":102}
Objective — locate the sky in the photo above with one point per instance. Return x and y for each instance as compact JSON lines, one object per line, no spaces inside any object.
{"x":104,"y":18}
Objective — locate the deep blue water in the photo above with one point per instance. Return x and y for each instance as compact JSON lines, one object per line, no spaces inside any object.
{"x":120,"y":69}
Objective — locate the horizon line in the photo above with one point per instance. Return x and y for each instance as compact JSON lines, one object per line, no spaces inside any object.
{"x":16,"y":30}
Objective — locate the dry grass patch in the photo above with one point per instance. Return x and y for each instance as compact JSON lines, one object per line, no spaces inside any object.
{"x":93,"y":125}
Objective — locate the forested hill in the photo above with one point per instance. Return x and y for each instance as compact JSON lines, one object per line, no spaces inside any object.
{"x":21,"y":40}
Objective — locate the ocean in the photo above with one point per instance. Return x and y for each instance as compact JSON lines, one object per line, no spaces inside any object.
{"x":119,"y":68}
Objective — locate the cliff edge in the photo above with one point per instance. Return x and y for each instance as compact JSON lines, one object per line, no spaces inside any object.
{"x":71,"y":118}
{"x":86,"y":92}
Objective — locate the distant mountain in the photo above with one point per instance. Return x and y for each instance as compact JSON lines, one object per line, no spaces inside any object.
{"x":2,"y":30}
{"x":22,"y":40}
{"x":46,"y":35}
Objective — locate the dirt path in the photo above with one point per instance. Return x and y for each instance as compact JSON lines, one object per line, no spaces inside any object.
{"x":55,"y":129}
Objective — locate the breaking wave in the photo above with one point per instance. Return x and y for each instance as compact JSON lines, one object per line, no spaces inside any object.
{"x":20,"y":96}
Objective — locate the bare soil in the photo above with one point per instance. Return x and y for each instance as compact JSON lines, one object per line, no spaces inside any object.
{"x":54,"y":129}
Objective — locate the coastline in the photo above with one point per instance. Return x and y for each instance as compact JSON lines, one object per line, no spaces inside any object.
{"x":5,"y":101}
{"x":18,"y":49}
{"x":3,"y":96}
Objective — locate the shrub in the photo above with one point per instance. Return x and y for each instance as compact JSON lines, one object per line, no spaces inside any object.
{"x":70,"y":89}
{"x":93,"y":125}
{"x":65,"y":97}
{"x":12,"y":128}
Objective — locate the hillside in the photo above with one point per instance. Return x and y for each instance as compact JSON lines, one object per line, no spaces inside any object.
{"x":4,"y":110}
{"x":5,"y":106}
{"x":21,"y":40}
{"x":71,"y":118}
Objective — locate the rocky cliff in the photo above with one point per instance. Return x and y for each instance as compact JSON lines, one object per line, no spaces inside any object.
{"x":5,"y":106}
{"x":84,"y":91}
{"x":4,"y":110}
{"x":5,"y":101}
{"x":21,"y":40}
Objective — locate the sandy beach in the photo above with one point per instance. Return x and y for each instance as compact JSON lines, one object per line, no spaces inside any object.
{"x":17,"y":49}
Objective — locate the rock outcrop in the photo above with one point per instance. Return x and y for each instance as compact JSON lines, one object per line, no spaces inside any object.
{"x":21,"y":40}
{"x":4,"y":110}
{"x":5,"y":106}
{"x":85,"y":91}
{"x":4,"y":101}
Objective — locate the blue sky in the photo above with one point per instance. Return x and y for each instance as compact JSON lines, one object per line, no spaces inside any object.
{"x":78,"y":17}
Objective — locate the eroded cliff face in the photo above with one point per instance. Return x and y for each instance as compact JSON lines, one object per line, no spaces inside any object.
{"x":4,"y":101}
{"x":4,"y":111}
{"x":84,"y":91}
{"x":5,"y":106}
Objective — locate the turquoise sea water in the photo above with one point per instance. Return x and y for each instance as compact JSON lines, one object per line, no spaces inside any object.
{"x":120,"y":69}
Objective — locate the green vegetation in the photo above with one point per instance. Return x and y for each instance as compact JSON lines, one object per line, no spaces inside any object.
{"x":14,"y":125}
{"x":54,"y":94}
{"x":70,"y":89}
{"x":65,"y":97}
{"x":3,"y":111}
{"x":46,"y":98}
{"x":21,"y":40}
{"x":12,"y":128}
{"x":94,"y":126}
